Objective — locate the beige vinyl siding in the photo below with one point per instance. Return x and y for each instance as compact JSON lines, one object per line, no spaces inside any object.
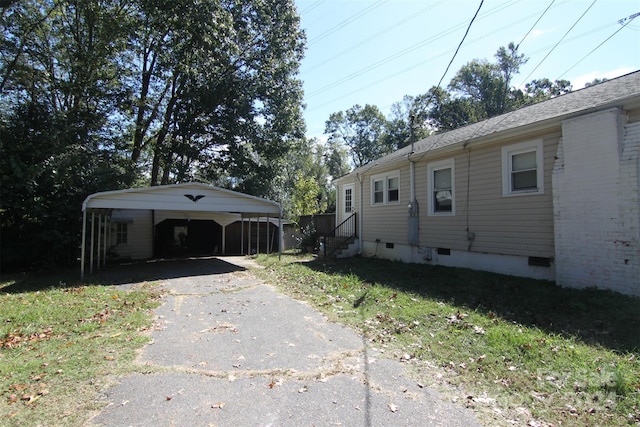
{"x":515,"y":225}
{"x":139,"y":233}
{"x":633,"y":115}
{"x":443,"y":231}
{"x":386,"y":222}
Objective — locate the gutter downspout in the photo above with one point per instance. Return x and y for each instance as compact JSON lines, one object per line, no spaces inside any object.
{"x":361,"y":216}
{"x":413,"y":232}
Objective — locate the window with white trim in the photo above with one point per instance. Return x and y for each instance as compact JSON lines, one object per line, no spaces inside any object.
{"x":523,"y":168}
{"x":441,"y":187}
{"x":121,"y":233}
{"x":348,"y":199}
{"x":385,"y":188}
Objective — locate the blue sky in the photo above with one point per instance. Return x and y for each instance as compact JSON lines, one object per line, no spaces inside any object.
{"x":377,"y":51}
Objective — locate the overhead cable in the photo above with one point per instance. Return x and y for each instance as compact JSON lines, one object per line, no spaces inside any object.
{"x":559,"y":41}
{"x":461,"y":41}
{"x":596,"y":48}
{"x":347,"y":21}
{"x":535,"y":23}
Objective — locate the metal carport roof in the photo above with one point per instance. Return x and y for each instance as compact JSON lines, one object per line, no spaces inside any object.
{"x":185,"y":197}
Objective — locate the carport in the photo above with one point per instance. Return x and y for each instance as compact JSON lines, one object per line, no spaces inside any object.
{"x":173,"y":220}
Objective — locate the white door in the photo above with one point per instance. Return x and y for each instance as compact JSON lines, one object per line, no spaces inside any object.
{"x":347,"y":202}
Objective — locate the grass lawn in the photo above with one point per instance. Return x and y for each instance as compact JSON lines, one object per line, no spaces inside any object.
{"x":62,"y":343}
{"x":518,"y":351}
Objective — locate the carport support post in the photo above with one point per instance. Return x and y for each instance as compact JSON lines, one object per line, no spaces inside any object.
{"x":224,"y":239}
{"x":267,"y":235}
{"x":99,"y":241}
{"x":93,"y":228}
{"x":82,"y":247}
{"x":258,"y":235}
{"x":107,"y":238}
{"x":241,"y":235}
{"x":280,"y":234}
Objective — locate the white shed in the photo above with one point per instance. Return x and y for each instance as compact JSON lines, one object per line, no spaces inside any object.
{"x":175,"y":220}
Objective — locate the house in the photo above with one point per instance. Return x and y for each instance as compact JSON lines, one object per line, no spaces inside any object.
{"x":188,"y":219}
{"x":549,"y":191}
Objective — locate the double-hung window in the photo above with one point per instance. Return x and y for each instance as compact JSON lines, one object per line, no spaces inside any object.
{"x":441,"y":185}
{"x":522,"y":168}
{"x":121,"y":233}
{"x":385,"y":188}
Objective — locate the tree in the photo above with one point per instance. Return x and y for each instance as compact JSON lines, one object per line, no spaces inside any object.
{"x":408,"y":119}
{"x":541,"y":89}
{"x":117,"y":93}
{"x":482,"y":89}
{"x":362,"y":130}
{"x":595,"y":81}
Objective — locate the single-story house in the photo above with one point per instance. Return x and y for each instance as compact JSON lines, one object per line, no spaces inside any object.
{"x":549,"y":191}
{"x":189,"y":219}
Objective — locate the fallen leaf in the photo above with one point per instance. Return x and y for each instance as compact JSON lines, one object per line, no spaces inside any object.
{"x":393,"y":407}
{"x":303,"y":389}
{"x":169,"y":398}
{"x":218,"y":405}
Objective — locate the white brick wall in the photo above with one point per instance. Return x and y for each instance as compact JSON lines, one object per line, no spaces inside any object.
{"x":596,"y":187}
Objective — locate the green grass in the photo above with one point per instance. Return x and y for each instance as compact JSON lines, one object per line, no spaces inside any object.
{"x":61,"y":344}
{"x":518,"y":351}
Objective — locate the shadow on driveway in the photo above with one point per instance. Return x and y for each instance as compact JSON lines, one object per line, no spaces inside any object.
{"x":161,"y":269}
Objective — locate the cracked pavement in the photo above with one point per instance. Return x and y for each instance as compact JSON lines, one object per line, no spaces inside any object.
{"x":228,"y":349}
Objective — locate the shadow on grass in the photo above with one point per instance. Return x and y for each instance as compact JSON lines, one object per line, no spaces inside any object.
{"x":119,"y":274}
{"x":597,"y":317}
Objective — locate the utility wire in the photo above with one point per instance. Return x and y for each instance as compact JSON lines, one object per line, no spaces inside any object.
{"x":396,"y":73}
{"x":559,"y":41}
{"x":347,"y":21}
{"x":461,"y":41}
{"x":375,"y":36}
{"x":313,"y":6}
{"x":395,"y":56}
{"x":535,"y":23}
{"x":597,"y":47}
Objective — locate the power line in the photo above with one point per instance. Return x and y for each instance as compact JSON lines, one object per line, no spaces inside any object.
{"x":347,"y":21}
{"x":559,"y":41}
{"x":535,"y":23}
{"x":461,"y":41}
{"x":396,"y":55}
{"x":416,"y":65}
{"x":313,"y":6}
{"x":626,"y":22}
{"x":376,"y":35}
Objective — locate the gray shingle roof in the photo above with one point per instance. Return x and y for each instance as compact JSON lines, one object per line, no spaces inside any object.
{"x":604,"y":95}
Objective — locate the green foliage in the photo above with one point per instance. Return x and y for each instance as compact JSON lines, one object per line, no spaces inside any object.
{"x":98,"y":96}
{"x":483,"y":89}
{"x":305,"y":198}
{"x":407,"y":122}
{"x":362,"y":130}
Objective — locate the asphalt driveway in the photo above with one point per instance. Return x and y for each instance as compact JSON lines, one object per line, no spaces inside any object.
{"x":230,"y":350}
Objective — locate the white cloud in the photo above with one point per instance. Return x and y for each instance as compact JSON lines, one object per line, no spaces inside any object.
{"x":534,"y":34}
{"x":578,"y":82}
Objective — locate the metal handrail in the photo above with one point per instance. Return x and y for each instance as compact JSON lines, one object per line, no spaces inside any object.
{"x":340,"y":235}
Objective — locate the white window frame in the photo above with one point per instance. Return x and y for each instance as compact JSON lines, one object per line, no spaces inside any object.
{"x":431,"y":168}
{"x":508,"y":152}
{"x":385,"y":177}
{"x":122,"y":233}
